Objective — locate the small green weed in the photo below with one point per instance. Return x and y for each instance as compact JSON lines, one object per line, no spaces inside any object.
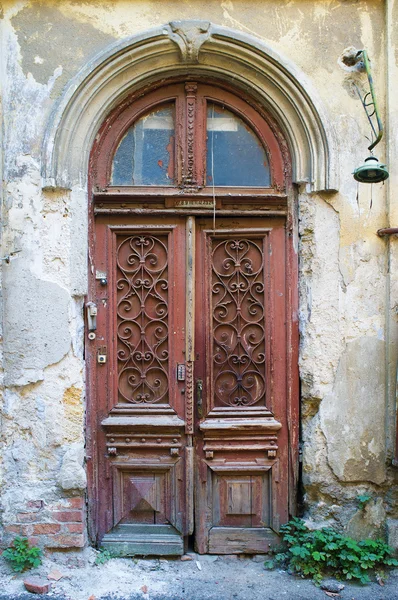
{"x":326,"y":552}
{"x":22,"y":556}
{"x":363,"y":499}
{"x":103,"y":556}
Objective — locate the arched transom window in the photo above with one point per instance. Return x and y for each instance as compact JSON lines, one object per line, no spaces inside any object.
{"x":188,"y":138}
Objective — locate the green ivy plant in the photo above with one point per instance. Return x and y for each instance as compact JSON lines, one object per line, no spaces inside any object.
{"x":320,"y":552}
{"x":22,"y":556}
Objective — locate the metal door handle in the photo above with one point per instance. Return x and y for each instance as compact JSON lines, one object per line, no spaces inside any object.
{"x":199,"y":402}
{"x":91,"y":319}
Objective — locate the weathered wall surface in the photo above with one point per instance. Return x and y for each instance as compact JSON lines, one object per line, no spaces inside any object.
{"x":348,"y":289}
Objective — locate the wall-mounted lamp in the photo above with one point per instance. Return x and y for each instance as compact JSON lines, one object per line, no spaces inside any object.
{"x":371,"y":171}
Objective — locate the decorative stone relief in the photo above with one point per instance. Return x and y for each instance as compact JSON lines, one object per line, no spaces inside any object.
{"x":189,"y":37}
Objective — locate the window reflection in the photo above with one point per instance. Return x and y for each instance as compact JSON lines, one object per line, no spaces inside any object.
{"x":145,"y":156}
{"x":235,"y":155}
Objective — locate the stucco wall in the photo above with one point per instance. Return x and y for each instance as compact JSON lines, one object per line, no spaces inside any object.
{"x":347,"y":273}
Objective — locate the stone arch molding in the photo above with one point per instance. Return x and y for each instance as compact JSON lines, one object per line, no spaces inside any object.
{"x":189,"y":47}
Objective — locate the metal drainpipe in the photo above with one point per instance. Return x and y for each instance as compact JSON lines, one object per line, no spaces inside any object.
{"x":388,"y":231}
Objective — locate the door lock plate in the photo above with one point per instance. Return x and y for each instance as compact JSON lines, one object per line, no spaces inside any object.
{"x":181,"y":372}
{"x":101,"y":355}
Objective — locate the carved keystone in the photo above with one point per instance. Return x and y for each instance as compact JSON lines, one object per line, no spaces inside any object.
{"x":189,"y":37}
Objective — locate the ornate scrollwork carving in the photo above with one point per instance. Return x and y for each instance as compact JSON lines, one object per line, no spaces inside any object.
{"x":189,"y":176}
{"x":189,"y":37}
{"x":238,"y":322}
{"x":189,"y":397}
{"x":142,"y":314}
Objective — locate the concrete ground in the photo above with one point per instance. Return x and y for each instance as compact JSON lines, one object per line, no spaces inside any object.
{"x":202,"y":578}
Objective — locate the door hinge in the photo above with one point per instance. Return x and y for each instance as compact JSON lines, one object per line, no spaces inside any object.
{"x":199,"y":397}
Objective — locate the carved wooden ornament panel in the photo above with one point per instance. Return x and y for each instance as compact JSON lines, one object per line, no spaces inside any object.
{"x":237,"y":308}
{"x":142,"y":313}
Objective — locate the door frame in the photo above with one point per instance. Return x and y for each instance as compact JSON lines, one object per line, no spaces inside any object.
{"x":275,"y":204}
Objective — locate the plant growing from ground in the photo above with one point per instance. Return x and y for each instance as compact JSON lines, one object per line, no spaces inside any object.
{"x":22,"y":556}
{"x":320,"y":552}
{"x":103,"y":556}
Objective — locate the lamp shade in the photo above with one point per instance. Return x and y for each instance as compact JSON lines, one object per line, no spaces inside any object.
{"x":372,"y":171}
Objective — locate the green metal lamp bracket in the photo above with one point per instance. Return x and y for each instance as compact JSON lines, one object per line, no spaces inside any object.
{"x":369,"y":101}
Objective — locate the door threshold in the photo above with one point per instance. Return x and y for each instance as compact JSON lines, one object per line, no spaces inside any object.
{"x":240,"y":540}
{"x":143,"y":540}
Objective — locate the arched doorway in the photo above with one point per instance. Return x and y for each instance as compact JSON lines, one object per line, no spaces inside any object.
{"x":192,"y":356}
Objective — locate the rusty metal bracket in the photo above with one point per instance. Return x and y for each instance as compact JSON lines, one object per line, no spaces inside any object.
{"x":387,"y":231}
{"x":369,"y":101}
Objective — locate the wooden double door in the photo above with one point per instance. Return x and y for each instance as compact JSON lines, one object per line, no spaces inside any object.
{"x":188,"y":379}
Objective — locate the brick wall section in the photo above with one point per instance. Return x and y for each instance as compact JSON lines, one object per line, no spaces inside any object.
{"x":58,"y":525}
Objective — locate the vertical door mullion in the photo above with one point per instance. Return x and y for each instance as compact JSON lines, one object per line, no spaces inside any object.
{"x":189,"y":363}
{"x":193,"y":139}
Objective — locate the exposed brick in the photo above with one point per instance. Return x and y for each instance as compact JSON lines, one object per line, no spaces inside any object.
{"x":13,"y":529}
{"x":46,"y":528}
{"x":67,"y":503}
{"x":35,"y":504}
{"x":24,"y":530}
{"x":37,"y":585}
{"x":66,"y":541}
{"x":68,"y":516}
{"x":76,"y":502}
{"x":34,"y":541}
{"x":26,"y":517}
{"x":75,"y":527}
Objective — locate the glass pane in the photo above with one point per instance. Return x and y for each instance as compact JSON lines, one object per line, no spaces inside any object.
{"x":145,"y":156}
{"x":235,"y":155}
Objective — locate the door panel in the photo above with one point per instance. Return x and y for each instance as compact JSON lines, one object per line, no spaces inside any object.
{"x":141,"y":443}
{"x":191,"y":401}
{"x":241,"y":360}
{"x":149,"y":288}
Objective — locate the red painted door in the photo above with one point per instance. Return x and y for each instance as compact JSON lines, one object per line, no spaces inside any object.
{"x":191,"y":335}
{"x":193,"y":391}
{"x":241,"y":427}
{"x":140,"y":422}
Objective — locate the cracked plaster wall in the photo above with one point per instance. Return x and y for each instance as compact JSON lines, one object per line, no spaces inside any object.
{"x":348,"y":350}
